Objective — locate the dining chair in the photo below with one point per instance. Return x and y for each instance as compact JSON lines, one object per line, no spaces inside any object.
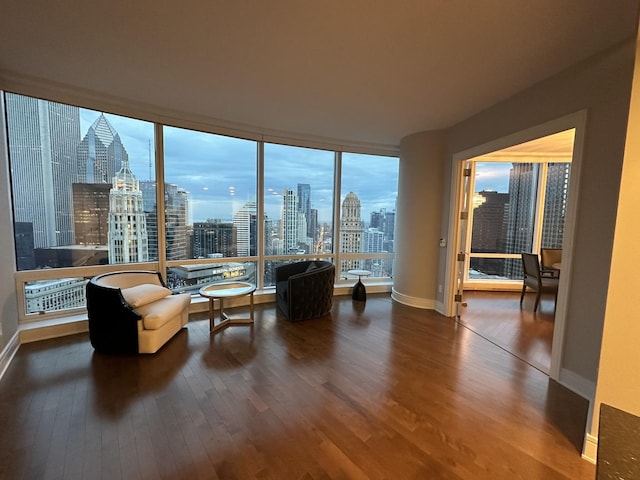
{"x":536,"y":280}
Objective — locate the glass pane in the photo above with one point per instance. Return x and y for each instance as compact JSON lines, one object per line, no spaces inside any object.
{"x":54,"y":295}
{"x":487,"y":269}
{"x":503,"y":215}
{"x":368,"y":208}
{"x":190,"y":278}
{"x":210,"y":195}
{"x":298,"y":201}
{"x":555,"y":204}
{"x":77,"y":179}
{"x":380,"y":267}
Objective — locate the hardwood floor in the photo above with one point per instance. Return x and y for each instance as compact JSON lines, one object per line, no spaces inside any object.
{"x":373,"y":391}
{"x":497,"y":316}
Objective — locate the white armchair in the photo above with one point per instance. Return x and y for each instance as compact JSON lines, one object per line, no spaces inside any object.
{"x":133,"y":312}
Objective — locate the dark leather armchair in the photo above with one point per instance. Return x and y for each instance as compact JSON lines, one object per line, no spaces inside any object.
{"x":305,"y":289}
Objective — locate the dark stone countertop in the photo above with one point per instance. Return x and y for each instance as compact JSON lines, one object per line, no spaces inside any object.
{"x":618,"y":445}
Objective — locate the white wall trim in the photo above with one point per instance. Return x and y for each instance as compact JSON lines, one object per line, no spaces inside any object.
{"x":8,"y":353}
{"x":424,"y":303}
{"x":590,"y":451}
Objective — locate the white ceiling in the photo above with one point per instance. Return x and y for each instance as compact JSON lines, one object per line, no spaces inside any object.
{"x":370,"y":71}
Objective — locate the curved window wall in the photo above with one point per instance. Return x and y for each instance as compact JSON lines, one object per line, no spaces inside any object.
{"x":94,"y":191}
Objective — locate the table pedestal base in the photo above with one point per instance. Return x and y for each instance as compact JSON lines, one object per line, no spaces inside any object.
{"x":226,"y":320}
{"x":359,"y":292}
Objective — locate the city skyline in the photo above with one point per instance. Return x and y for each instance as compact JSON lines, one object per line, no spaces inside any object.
{"x":218,"y":194}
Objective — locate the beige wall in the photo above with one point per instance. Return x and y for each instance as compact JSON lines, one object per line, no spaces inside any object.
{"x":417,"y":217}
{"x":619,"y":375}
{"x":8,"y":307}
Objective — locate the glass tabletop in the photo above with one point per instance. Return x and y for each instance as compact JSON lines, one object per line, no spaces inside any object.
{"x":227,"y":289}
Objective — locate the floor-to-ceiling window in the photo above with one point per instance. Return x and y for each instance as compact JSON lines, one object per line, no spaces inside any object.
{"x":210,"y":185}
{"x":298,"y":205}
{"x":368,"y":210}
{"x":94,"y":191}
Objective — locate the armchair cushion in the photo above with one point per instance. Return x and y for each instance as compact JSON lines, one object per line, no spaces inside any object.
{"x":144,"y":294}
{"x":156,"y":314}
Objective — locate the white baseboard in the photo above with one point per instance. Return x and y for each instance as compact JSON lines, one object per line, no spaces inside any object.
{"x":424,"y":303}
{"x":590,"y":450}
{"x":8,"y":353}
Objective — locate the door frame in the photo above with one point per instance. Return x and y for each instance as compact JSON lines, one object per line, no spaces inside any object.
{"x":577,"y":121}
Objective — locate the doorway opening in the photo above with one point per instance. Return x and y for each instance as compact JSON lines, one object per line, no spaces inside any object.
{"x":511,"y":196}
{"x":518,"y":204}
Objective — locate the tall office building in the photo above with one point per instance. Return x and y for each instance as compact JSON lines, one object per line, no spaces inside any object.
{"x":304,"y":206}
{"x":373,"y":240}
{"x":351,"y":230}
{"x":290,"y":221}
{"x":25,"y":255}
{"x":213,"y":238}
{"x":555,"y":205}
{"x":384,"y":221}
{"x":43,"y":137}
{"x":127,"y":222}
{"x":100,"y":153}
{"x":489,"y":231}
{"x":149,"y":204}
{"x":91,"y":213}
{"x":245,"y":225}
{"x":176,"y":208}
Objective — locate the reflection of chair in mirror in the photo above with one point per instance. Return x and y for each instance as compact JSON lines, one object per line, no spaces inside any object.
{"x":550,"y":259}
{"x":536,"y":280}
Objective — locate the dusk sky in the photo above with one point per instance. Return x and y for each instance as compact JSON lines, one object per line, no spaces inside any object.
{"x":220,"y":172}
{"x":492,"y":176}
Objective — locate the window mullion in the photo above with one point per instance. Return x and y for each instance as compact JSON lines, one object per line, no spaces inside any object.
{"x":160,"y":196}
{"x":337,"y":188}
{"x":260,"y":216}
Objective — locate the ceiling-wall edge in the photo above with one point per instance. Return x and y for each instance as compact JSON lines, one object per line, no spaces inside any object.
{"x":104,"y":102}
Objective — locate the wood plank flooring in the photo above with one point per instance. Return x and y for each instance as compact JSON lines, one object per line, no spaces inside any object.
{"x":497,"y":316}
{"x":372,"y":391}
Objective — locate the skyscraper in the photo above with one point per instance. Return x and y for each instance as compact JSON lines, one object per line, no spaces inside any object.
{"x":100,"y":153}
{"x":351,"y":230}
{"x":304,"y":206}
{"x":555,"y":205}
{"x":290,"y":221}
{"x":213,"y":238}
{"x":176,"y":204}
{"x":127,"y":222}
{"x":43,"y":137}
{"x":244,"y":223}
{"x":91,"y":213}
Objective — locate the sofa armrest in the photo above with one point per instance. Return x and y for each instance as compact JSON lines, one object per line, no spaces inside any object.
{"x":113,"y":325}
